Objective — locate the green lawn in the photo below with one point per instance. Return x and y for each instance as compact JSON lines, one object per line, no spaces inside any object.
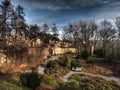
{"x":10,"y":84}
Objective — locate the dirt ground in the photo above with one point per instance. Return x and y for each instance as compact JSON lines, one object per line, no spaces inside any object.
{"x":100,"y":67}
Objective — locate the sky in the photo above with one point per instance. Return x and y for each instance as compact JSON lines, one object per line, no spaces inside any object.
{"x":63,"y":12}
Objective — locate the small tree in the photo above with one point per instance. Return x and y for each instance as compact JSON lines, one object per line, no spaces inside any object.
{"x":67,"y":62}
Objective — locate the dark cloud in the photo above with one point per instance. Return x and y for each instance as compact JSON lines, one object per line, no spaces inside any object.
{"x":63,"y":4}
{"x":62,"y":11}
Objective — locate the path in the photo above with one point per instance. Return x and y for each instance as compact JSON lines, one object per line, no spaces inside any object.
{"x":66,"y":77}
{"x":42,"y":68}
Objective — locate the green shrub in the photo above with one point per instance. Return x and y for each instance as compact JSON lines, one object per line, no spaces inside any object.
{"x":87,"y":86}
{"x":78,"y":56}
{"x":52,"y":64}
{"x":84,"y":54}
{"x":31,"y":80}
{"x":49,"y":81}
{"x":76,"y":64}
{"x":90,"y":59}
{"x":76,"y":77}
{"x":73,"y":83}
{"x":107,"y":87}
{"x":99,"y":53}
{"x":67,"y":63}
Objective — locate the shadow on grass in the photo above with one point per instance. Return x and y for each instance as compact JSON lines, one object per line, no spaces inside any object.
{"x":7,"y":83}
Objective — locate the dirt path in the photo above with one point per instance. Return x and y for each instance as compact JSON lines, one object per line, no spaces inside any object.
{"x":42,"y":68}
{"x":66,"y":77}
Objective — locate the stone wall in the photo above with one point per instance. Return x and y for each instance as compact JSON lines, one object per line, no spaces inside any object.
{"x":59,"y":50}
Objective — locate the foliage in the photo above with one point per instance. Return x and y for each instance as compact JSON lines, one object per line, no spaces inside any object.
{"x":67,"y":62}
{"x":93,"y":84}
{"x":87,"y":86}
{"x":99,"y":53}
{"x":31,"y":80}
{"x":79,"y":85}
{"x":84,"y":54}
{"x":78,"y":56}
{"x":90,"y":59}
{"x":73,"y":82}
{"x":52,"y":64}
{"x":48,"y":80}
{"x":76,"y":77}
{"x":71,"y":85}
{"x":76,"y":64}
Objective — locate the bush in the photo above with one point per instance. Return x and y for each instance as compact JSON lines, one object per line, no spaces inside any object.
{"x":73,"y":83}
{"x":76,"y":77}
{"x":84,"y":54}
{"x":87,"y":86}
{"x":67,"y":63}
{"x":52,"y":64}
{"x":90,"y":59}
{"x":49,"y":81}
{"x":99,"y":53}
{"x":78,"y":56}
{"x":31,"y":80}
{"x":76,"y":64}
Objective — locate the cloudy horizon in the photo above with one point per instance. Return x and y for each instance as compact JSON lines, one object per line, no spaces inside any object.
{"x":63,"y":12}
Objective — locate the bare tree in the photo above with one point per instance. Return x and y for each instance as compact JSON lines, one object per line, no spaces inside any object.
{"x":45,"y":28}
{"x":81,"y":34}
{"x":18,"y":22}
{"x":6,"y":11}
{"x":55,"y":35}
{"x":34,"y":30}
{"x":107,"y":33}
{"x":118,"y":36}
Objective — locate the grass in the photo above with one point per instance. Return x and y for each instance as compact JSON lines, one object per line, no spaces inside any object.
{"x":10,"y":84}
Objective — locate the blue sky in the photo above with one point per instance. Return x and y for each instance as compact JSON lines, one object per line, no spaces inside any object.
{"x":64,"y":12}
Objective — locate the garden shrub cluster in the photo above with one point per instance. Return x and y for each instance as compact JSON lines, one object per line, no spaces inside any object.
{"x":78,"y":56}
{"x":31,"y":80}
{"x":77,"y":78}
{"x":34,"y":80}
{"x":52,"y":64}
{"x":76,"y":64}
{"x":90,"y":59}
{"x":84,"y":54}
{"x":76,"y":85}
{"x":49,"y":80}
{"x":99,"y":53}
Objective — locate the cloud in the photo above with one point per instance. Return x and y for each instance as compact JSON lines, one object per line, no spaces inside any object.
{"x":65,"y":11}
{"x":109,"y":11}
{"x":60,"y":4}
